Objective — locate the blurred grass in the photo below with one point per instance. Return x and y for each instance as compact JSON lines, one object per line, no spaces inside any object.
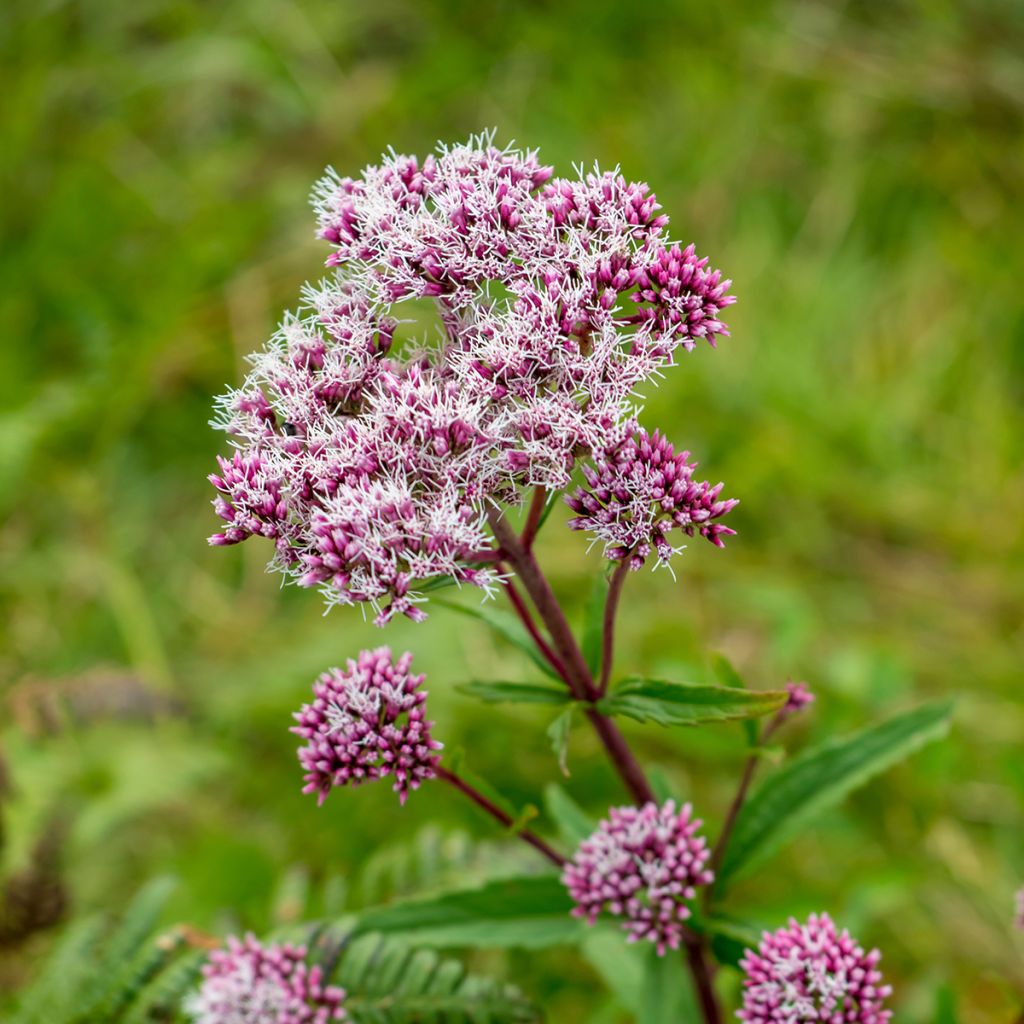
{"x":856,"y":168}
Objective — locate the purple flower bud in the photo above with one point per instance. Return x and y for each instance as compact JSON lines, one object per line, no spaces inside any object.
{"x":249,"y":983}
{"x":643,"y":865}
{"x":800,"y":696}
{"x":809,"y":972}
{"x":366,"y":722}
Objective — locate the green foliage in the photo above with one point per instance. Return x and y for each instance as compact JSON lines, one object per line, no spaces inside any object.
{"x":514,"y":693}
{"x":504,"y":625}
{"x":521,"y":913}
{"x":131,"y":974}
{"x":573,"y":822}
{"x":818,"y":779}
{"x":655,"y":700}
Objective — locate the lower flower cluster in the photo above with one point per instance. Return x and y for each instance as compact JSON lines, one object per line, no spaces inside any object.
{"x":811,"y":972}
{"x":367,"y":722}
{"x":643,"y":865}
{"x":249,"y":983}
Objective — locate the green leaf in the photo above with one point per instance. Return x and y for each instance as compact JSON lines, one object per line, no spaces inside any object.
{"x":820,"y":778}
{"x":515,"y":693}
{"x":730,"y":937}
{"x":666,"y":996}
{"x":654,"y":700}
{"x":573,"y":822}
{"x":525,"y":913}
{"x":727,"y":675}
{"x":593,"y":623}
{"x":558,"y":734}
{"x":388,"y":982}
{"x":507,"y":626}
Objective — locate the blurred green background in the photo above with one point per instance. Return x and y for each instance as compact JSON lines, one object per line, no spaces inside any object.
{"x":855,"y":168}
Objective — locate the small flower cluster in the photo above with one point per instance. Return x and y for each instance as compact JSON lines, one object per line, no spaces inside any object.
{"x":371,"y":469}
{"x":249,"y":983}
{"x":367,"y":723}
{"x":643,"y":865}
{"x":641,"y":490}
{"x":809,"y":972}
{"x":800,"y":696}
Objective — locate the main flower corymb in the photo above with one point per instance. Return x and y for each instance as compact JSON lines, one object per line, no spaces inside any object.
{"x":371,"y":460}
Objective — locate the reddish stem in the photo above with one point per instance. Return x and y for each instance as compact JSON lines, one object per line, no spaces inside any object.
{"x":582,"y":685}
{"x":499,"y":815}
{"x":749,"y":771}
{"x":526,"y":618}
{"x":577,"y":674}
{"x":702,"y":974}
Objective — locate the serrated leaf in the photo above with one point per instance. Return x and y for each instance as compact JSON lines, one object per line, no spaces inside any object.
{"x":558,"y":735}
{"x":593,"y":623}
{"x":500,"y":692}
{"x":820,"y":778}
{"x":573,"y":822}
{"x":525,"y":913}
{"x":656,"y":700}
{"x":507,"y":626}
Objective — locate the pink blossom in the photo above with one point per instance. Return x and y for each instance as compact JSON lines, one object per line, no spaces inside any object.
{"x":249,"y":983}
{"x":643,"y":865}
{"x":367,"y":722}
{"x":809,"y":972}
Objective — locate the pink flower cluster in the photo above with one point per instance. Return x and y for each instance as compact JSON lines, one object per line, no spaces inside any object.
{"x":370,"y":459}
{"x":249,"y":983}
{"x":638,"y":492}
{"x":809,"y":972}
{"x":366,"y":723}
{"x":643,"y":865}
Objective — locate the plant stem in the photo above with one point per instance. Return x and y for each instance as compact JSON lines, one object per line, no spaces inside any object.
{"x":577,"y":674}
{"x":622,"y":757}
{"x":701,"y":971}
{"x":582,"y":685}
{"x":749,"y":770}
{"x":611,"y":607}
{"x":533,"y":517}
{"x":531,"y":627}
{"x":543,"y":597}
{"x":499,"y":815}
